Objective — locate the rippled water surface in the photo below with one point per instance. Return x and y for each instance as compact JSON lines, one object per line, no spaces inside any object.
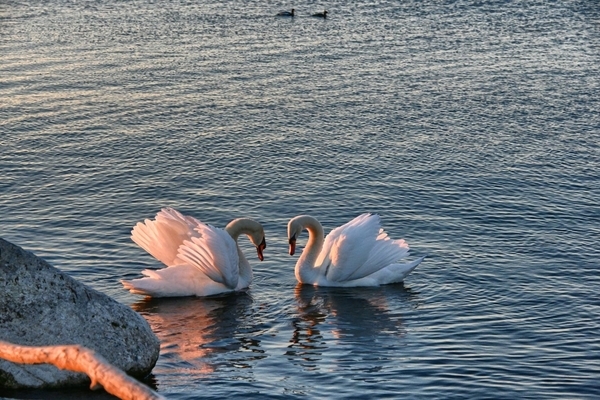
{"x":471,"y":127}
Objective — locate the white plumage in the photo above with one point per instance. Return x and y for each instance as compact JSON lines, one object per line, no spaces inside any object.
{"x":358,"y":253}
{"x":201,"y":260}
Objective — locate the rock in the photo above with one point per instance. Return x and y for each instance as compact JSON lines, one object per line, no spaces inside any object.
{"x":42,"y":306}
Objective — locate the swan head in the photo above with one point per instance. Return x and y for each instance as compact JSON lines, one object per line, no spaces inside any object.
{"x":252,"y":229}
{"x":260,"y":248}
{"x":295,"y":227}
{"x":257,"y":237}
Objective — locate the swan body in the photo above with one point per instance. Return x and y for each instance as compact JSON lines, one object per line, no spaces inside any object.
{"x":201,"y":260}
{"x":287,"y":13}
{"x":320,"y":14}
{"x":358,"y":253}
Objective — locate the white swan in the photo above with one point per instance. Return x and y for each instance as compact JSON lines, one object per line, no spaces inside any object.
{"x":358,"y":253}
{"x":201,"y":260}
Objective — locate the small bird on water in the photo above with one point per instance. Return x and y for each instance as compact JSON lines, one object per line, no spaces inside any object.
{"x":286,"y":13}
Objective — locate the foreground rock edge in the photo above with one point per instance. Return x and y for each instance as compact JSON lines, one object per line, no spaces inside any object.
{"x":42,"y":306}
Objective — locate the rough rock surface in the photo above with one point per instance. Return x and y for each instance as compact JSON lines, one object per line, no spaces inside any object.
{"x":42,"y":306}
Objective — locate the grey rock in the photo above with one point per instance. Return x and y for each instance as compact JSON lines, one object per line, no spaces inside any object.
{"x":42,"y":306}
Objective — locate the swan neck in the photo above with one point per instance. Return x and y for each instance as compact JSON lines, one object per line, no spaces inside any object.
{"x":242,"y":225}
{"x":315,"y":236}
{"x":306,"y":270}
{"x":248,"y":227}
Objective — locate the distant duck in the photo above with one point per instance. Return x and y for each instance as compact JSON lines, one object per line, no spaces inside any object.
{"x":286,"y":13}
{"x":321,"y":14}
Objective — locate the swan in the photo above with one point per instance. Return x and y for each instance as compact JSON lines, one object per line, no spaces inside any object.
{"x":320,"y":14}
{"x":286,"y":13}
{"x":201,"y":260}
{"x":358,"y":253}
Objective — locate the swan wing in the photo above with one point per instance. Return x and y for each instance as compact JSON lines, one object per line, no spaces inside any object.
{"x":383,"y":253}
{"x":162,"y":236}
{"x":348,"y":247}
{"x":361,"y":248}
{"x":335,"y":238}
{"x":214,"y":252}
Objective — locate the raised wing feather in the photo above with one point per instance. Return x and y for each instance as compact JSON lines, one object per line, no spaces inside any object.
{"x":348,"y":247}
{"x":360,"y":248}
{"x":162,"y":237}
{"x":384,"y":252}
{"x":168,"y":214}
{"x":214,"y":253}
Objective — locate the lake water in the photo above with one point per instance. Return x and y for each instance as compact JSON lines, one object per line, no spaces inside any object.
{"x":471,"y":127}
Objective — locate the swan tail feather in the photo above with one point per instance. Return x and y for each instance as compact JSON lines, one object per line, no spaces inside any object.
{"x":384,"y":252}
{"x":175,"y":281}
{"x":398,"y":272}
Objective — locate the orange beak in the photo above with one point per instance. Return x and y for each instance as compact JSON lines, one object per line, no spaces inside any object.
{"x":260,"y":248}
{"x":292,"y":246}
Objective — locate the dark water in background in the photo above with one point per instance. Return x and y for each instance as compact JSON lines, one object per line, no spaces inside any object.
{"x":471,"y":127}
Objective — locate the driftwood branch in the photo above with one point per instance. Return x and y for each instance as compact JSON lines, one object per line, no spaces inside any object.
{"x":81,"y":359}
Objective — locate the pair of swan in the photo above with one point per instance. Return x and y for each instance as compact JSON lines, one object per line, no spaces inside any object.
{"x":203,"y":260}
{"x":293,"y":14}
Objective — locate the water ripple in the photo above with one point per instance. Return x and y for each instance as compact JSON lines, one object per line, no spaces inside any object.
{"x":471,"y":127}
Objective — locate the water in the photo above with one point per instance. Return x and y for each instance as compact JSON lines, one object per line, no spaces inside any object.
{"x":471,"y":127}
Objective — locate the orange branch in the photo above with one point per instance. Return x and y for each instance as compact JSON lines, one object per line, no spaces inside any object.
{"x":81,"y":359}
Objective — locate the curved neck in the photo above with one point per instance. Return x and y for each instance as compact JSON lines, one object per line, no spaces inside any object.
{"x":306,"y":270}
{"x":248,"y":227}
{"x":242,"y":225}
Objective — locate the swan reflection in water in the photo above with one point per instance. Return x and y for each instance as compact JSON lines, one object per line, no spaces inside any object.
{"x":349,"y":318}
{"x":194,"y":332}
